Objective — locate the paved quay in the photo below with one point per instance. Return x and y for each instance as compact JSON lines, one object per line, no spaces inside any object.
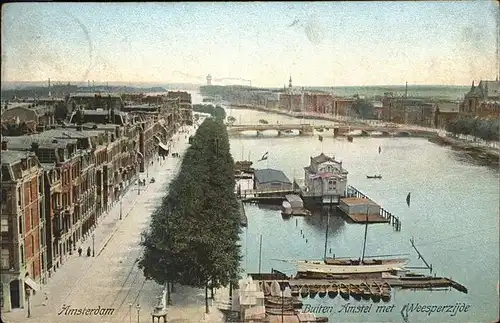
{"x":112,"y":279}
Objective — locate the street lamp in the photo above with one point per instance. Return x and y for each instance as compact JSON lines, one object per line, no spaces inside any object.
{"x":138,"y":309}
{"x":130,"y":312}
{"x":120,"y":209}
{"x":28,"y":291}
{"x":93,"y":244}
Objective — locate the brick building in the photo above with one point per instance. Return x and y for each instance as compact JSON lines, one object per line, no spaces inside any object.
{"x":482,"y":100}
{"x":406,"y":110}
{"x":22,"y":218}
{"x":57,"y":183}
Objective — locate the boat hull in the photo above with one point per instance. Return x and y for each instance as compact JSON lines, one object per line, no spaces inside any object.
{"x":348,"y":269}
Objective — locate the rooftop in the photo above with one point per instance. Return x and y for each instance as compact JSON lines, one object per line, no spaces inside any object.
{"x":10,"y":157}
{"x":270,"y":175}
{"x":322,"y":158}
{"x":358,"y":201}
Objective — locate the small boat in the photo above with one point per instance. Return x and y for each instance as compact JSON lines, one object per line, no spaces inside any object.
{"x":313,"y":291}
{"x":374,"y":176}
{"x":290,"y":302}
{"x":152,"y":180}
{"x":322,"y":292}
{"x":295,"y":290}
{"x":320,"y":130}
{"x":386,"y":292}
{"x":288,"y":131}
{"x":375,"y":290}
{"x":350,"y":138}
{"x":365,"y":291}
{"x":279,"y":311}
{"x":267,"y":289}
{"x":354,"y":292}
{"x":304,"y":291}
{"x":333,"y":291}
{"x":263,"y":121}
{"x":344,"y":291}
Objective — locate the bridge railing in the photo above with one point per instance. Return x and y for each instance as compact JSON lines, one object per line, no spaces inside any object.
{"x":264,"y":191}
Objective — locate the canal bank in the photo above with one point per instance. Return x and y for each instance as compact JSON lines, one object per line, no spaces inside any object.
{"x":483,"y":155}
{"x":479,"y":154}
{"x":453,"y":216}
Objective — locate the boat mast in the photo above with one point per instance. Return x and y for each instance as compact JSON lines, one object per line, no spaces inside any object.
{"x":327,"y":225}
{"x":366,"y":232}
{"x":260,"y":253}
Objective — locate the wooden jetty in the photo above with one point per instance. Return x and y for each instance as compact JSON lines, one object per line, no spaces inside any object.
{"x":409,"y":281}
{"x":350,"y":207}
{"x":428,"y":282}
{"x":243,"y":216}
{"x":383,"y":213}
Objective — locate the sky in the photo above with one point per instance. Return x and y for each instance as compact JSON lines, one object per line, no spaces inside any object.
{"x":257,"y":43}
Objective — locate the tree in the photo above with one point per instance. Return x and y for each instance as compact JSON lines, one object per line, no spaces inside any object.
{"x":193,"y":236}
{"x":363,"y":108}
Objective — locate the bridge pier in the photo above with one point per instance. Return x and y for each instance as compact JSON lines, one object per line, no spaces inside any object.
{"x":279,"y":133}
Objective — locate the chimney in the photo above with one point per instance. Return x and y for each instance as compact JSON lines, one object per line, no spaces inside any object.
{"x":34,"y":147}
{"x":4,"y":144}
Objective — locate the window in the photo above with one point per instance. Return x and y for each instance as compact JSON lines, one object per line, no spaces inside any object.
{"x":5,"y":259}
{"x":5,"y":225}
{"x":332,"y":185}
{"x":33,"y":249}
{"x":19,"y":201}
{"x":20,"y":225}
{"x":32,"y":220}
{"x":22,"y":255}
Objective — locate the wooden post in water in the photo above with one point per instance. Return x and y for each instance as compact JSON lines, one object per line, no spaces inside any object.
{"x":260,"y":253}
{"x":327,"y":225}
{"x":366,"y":232}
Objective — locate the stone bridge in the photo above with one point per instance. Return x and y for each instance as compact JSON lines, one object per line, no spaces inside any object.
{"x":304,"y":129}
{"x":337,"y":130}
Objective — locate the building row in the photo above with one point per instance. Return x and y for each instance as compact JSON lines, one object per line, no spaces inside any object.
{"x":481,"y":101}
{"x":60,"y":178}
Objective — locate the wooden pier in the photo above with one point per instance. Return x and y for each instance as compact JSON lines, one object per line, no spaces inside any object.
{"x":387,"y":216}
{"x":425,"y":283}
{"x":243,"y":216}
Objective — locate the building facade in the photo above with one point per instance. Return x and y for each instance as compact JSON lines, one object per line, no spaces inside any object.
{"x":22,"y":231}
{"x":325,"y":178}
{"x":58,"y":182}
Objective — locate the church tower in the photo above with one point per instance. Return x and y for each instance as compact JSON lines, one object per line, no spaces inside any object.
{"x":290,"y":83}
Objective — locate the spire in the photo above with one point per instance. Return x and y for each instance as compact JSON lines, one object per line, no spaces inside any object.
{"x":472,"y":87}
{"x":290,"y":82}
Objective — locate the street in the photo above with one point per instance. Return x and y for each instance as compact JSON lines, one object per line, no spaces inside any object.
{"x":111,"y":279}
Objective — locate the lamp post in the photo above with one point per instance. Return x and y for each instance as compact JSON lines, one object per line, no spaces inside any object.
{"x":93,"y":244}
{"x":120,"y":209}
{"x":130,"y":312}
{"x":28,"y":291}
{"x":138,"y":309}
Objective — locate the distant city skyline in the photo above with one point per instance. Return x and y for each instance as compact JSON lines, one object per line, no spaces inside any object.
{"x":262,"y":44}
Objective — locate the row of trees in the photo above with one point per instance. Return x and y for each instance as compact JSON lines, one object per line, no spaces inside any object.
{"x":215,"y":111}
{"x":193,"y":238}
{"x":488,"y":130}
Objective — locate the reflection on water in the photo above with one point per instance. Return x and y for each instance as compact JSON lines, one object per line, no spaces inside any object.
{"x":453,"y":216}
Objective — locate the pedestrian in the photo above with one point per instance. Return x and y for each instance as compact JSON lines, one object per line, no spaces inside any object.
{"x":88,"y":252}
{"x":79,"y":251}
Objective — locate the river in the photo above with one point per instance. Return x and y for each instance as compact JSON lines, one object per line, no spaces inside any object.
{"x":453,"y":217}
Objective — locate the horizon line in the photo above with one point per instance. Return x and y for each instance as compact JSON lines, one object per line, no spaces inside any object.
{"x":128,"y":83}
